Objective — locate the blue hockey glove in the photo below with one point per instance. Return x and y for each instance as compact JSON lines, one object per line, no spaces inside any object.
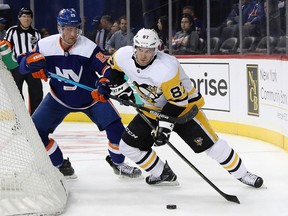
{"x":162,"y":132}
{"x":102,"y":91}
{"x":124,"y":91}
{"x":31,"y":62}
{"x":35,"y":62}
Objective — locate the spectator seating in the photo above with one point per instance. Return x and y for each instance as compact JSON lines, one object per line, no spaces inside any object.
{"x":248,"y":44}
{"x":214,"y":32}
{"x":229,"y":45}
{"x":201,"y":45}
{"x":214,"y":45}
{"x":262,"y":45}
{"x":228,"y":32}
{"x":281,"y":45}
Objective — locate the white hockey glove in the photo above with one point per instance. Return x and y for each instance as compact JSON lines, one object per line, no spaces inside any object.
{"x":123,"y":91}
{"x":162,"y":132}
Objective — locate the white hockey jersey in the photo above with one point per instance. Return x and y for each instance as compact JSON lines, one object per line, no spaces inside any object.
{"x":161,"y":82}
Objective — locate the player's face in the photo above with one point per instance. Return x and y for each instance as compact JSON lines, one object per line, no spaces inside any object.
{"x":70,"y":34}
{"x":144,"y":55}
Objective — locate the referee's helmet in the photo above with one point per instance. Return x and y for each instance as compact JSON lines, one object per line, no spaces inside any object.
{"x":26,"y":11}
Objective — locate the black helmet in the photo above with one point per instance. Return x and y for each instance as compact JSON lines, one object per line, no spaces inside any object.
{"x":26,"y":11}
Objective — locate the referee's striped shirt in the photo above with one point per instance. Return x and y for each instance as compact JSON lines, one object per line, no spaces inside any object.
{"x":22,"y":40}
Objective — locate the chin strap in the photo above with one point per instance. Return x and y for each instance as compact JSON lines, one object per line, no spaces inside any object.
{"x":142,"y":66}
{"x":62,"y":39}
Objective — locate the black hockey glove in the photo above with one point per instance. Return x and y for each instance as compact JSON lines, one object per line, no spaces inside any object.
{"x":123,"y":91}
{"x":162,"y":132}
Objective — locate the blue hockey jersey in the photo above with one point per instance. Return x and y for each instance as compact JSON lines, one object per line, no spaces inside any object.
{"x":82,"y":63}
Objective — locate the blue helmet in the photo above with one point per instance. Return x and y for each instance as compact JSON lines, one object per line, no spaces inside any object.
{"x":68,"y":17}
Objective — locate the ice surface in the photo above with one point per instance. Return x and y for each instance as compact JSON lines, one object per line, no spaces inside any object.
{"x":98,"y":191}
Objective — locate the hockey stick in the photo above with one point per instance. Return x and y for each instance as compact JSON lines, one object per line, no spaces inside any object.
{"x":228,"y":197}
{"x":181,"y":120}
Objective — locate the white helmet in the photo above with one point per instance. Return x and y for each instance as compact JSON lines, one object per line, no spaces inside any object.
{"x":146,"y":38}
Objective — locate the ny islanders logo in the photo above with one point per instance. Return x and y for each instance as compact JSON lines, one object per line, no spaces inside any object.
{"x":69,"y":74}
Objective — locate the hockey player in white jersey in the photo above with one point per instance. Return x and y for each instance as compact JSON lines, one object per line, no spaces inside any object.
{"x":163,"y":85}
{"x":71,"y":55}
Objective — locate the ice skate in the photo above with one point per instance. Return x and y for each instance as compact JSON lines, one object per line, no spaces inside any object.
{"x":252,"y":180}
{"x":67,"y":170}
{"x":124,"y":169}
{"x":167,"y":177}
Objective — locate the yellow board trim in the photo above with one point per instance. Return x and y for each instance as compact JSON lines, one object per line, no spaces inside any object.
{"x":263,"y":134}
{"x":81,"y":117}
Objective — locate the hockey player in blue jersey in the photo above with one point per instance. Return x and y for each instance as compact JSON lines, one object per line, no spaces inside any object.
{"x":73,"y":56}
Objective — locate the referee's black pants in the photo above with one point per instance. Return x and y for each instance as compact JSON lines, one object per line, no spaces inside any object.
{"x":35,"y":89}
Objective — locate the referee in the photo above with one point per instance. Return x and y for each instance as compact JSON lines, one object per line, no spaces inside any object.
{"x":23,"y":38}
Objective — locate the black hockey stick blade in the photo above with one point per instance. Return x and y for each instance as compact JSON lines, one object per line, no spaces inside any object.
{"x":228,"y":197}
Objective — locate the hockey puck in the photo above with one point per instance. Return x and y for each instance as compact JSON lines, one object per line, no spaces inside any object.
{"x":171,"y":206}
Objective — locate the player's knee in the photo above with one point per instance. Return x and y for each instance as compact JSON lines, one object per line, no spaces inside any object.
{"x":128,"y":151}
{"x":219,"y":151}
{"x":114,"y":131}
{"x":123,"y":147}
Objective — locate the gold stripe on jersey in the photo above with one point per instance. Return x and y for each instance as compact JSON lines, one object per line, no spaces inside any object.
{"x":232,"y":163}
{"x":174,"y":91}
{"x":203,"y":122}
{"x":199,"y":103}
{"x":149,"y":161}
{"x":113,"y":64}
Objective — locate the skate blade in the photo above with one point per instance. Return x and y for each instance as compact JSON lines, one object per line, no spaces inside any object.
{"x":166,"y":183}
{"x":72,"y":177}
{"x":130,"y":177}
{"x":263,"y":187}
{"x":127,"y":176}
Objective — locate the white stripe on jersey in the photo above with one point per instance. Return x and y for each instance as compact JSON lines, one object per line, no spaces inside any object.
{"x":50,"y":46}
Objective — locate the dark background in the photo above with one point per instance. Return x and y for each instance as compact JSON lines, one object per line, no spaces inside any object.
{"x":143,"y":12}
